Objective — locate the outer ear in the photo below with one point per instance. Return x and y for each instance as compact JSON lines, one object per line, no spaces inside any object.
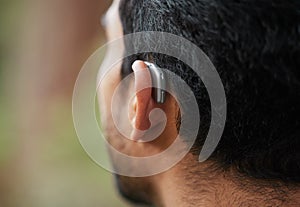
{"x":144,"y":102}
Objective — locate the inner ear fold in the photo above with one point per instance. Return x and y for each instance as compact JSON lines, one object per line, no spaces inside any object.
{"x":143,"y":90}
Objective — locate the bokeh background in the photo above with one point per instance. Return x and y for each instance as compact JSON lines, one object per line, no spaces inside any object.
{"x":43,"y":45}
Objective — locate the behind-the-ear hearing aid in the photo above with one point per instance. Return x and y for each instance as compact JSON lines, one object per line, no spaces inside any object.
{"x":158,"y":82}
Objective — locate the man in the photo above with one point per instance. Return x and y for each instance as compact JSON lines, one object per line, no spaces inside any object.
{"x":255,"y":47}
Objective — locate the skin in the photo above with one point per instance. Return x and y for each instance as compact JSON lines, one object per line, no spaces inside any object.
{"x":189,"y":183}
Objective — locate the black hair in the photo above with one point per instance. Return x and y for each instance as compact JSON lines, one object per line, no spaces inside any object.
{"x":255,"y":47}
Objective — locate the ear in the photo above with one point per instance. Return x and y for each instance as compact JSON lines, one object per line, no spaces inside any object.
{"x":143,"y":103}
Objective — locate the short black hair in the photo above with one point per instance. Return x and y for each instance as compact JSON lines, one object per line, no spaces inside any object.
{"x":255,"y":47}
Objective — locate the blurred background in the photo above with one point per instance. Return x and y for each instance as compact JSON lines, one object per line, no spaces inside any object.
{"x":43,"y":45}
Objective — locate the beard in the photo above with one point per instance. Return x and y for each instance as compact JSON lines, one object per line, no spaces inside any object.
{"x":134,"y":190}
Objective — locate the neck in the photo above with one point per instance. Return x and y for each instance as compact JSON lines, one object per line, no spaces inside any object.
{"x":200,"y":188}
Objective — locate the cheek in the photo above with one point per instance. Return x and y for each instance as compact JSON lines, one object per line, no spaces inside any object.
{"x":105,"y":93}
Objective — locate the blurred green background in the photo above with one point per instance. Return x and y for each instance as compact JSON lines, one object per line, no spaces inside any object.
{"x":43,"y":45}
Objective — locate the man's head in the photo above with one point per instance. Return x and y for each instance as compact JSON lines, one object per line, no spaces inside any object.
{"x":255,"y":47}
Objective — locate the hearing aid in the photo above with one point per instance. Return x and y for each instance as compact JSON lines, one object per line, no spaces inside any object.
{"x":158,"y":82}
